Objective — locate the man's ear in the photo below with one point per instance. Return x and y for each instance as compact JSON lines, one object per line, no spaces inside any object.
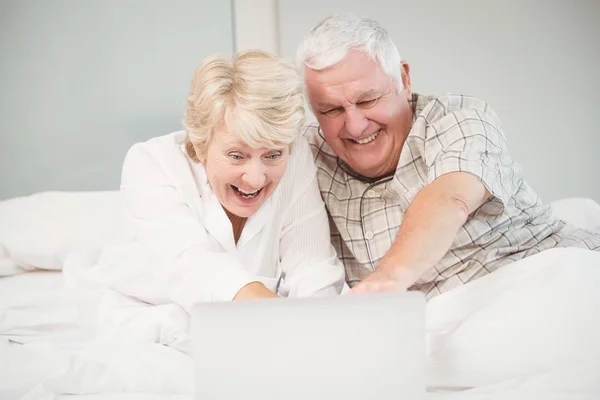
{"x":405,"y":72}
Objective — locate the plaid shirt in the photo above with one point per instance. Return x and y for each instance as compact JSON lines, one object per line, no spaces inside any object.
{"x":449,"y":134}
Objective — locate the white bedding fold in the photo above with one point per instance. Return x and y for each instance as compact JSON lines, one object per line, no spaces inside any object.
{"x":527,"y":331}
{"x":527,"y":318}
{"x":65,"y":340}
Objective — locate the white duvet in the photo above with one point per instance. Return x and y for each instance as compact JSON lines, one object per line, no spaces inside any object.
{"x":530,"y":330}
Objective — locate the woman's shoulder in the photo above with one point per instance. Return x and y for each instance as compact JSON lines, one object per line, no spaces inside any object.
{"x":300,"y":171}
{"x":159,"y":148}
{"x":161,"y":156}
{"x":301,"y":163}
{"x":163,"y":142}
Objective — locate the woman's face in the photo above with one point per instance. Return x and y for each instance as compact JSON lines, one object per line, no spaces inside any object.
{"x":243,"y":178}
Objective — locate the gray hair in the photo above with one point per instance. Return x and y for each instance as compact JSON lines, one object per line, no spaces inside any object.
{"x":331,"y":40}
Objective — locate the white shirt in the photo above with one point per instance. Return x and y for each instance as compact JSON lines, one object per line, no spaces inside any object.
{"x":183,"y":249}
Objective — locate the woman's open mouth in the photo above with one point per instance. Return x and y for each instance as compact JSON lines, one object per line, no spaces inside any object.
{"x":246,"y":195}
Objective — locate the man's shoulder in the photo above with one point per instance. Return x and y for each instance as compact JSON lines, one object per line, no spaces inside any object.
{"x":320,"y":149}
{"x":311,"y":132}
{"x":431,"y":108}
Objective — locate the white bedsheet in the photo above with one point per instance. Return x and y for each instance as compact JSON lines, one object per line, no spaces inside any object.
{"x":530,"y":330}
{"x":62,"y":340}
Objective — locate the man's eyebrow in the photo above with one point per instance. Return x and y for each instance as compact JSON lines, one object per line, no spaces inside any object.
{"x":326,"y":106}
{"x":370,"y":94}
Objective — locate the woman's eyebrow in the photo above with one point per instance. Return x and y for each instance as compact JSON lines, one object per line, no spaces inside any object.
{"x":233,"y":143}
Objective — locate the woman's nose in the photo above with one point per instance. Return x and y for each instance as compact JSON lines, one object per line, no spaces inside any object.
{"x":255,"y":175}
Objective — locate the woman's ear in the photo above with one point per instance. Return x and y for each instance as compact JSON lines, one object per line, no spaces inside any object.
{"x":192,"y":151}
{"x":200,"y":155}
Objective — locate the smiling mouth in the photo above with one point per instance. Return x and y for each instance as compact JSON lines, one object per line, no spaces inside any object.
{"x":246,"y":195}
{"x":367,"y":139}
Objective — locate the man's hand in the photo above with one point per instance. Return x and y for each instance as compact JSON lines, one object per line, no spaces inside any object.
{"x":385,"y":280}
{"x":427,"y":232}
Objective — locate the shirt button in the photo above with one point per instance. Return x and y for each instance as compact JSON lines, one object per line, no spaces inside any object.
{"x":369,"y":235}
{"x":371,"y":193}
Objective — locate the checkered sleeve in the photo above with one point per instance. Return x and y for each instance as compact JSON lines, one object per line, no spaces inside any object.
{"x":470,"y":139}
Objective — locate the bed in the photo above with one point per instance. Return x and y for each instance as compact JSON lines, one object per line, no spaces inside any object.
{"x":530,"y":330}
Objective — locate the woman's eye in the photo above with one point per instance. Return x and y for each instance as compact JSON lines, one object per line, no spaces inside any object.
{"x":274,"y":156}
{"x":235,"y":157}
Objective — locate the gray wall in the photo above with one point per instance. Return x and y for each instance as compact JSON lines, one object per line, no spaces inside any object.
{"x":82,"y":80}
{"x":536,"y":62}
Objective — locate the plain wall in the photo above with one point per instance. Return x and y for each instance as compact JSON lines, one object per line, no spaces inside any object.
{"x":536,"y":62}
{"x":255,"y":25}
{"x":81,"y":81}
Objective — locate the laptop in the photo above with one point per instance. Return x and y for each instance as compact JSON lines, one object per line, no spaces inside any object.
{"x":367,"y":346}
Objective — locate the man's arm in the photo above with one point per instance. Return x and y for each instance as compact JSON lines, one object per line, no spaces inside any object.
{"x":427,"y":232}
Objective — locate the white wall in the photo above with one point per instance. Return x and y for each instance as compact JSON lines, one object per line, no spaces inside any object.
{"x":535,"y":61}
{"x":83,"y":80}
{"x":255,"y":25}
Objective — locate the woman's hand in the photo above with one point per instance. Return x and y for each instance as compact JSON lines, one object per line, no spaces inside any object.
{"x":254,"y":290}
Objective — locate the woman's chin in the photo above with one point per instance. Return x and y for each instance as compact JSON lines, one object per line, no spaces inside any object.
{"x":244,"y":212}
{"x":244,"y":209}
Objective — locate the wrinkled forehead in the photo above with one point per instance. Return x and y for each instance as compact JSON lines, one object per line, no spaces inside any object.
{"x":351,"y":78}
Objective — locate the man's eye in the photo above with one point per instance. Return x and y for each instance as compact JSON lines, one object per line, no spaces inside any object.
{"x":235,"y":157}
{"x":368,"y":103}
{"x":334,"y":112}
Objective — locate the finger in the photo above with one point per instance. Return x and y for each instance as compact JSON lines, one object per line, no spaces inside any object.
{"x":377,"y":287}
{"x":364,"y":287}
{"x":357,"y":289}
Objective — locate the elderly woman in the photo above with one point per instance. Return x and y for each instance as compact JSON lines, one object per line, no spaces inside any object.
{"x":228,"y":209}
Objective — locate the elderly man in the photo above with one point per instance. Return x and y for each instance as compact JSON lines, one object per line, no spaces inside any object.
{"x":421,"y":191}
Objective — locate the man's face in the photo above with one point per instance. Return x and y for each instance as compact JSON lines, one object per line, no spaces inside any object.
{"x":363,"y":118}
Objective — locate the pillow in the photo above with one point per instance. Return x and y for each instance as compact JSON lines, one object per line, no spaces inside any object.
{"x":579,"y":211}
{"x":38,"y":231}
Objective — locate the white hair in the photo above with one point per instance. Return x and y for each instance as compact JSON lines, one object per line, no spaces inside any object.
{"x":256,"y":95}
{"x":331,"y":40}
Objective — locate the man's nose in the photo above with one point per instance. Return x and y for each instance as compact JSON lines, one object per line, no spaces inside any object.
{"x":356,"y":123}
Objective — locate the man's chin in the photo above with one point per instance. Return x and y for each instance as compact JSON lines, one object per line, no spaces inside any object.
{"x":369,"y":171}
